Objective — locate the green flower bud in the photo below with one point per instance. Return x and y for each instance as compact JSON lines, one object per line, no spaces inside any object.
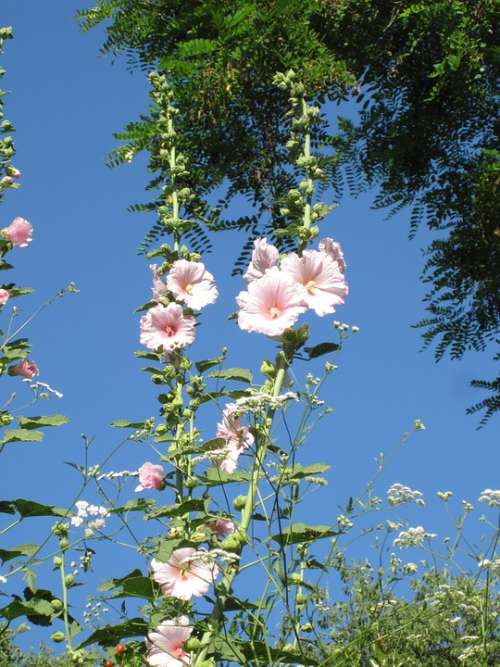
{"x":58,"y":637}
{"x":301,"y":599}
{"x":193,"y":644}
{"x":307,"y":627}
{"x":239,"y":502}
{"x":69,"y":579}
{"x":56,"y":604}
{"x":57,"y":561}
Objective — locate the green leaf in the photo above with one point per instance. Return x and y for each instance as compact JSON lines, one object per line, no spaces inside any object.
{"x":197,"y":47}
{"x":134,"y":584}
{"x":19,"y":550}
{"x":215,"y":477}
{"x":205,"y":364}
{"x":193,"y":505}
{"x":299,"y":471}
{"x":27,"y":508}
{"x":37,"y":422}
{"x":110,"y":635}
{"x":125,"y":423}
{"x":300,"y":532}
{"x":320,"y":349}
{"x":18,"y":435}
{"x":240,"y":374}
{"x":135,"y":505}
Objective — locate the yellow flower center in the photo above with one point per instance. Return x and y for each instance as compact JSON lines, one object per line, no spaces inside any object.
{"x":274,"y":312}
{"x":188,"y":288}
{"x":310,"y":285}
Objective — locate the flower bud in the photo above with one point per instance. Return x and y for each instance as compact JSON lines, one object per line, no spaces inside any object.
{"x":69,"y":579}
{"x":192,"y":644}
{"x":56,"y":604}
{"x":58,"y":637}
{"x":239,"y":502}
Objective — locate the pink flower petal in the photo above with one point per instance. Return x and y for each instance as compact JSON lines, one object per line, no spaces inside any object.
{"x":191,"y":283}
{"x":166,"y":327}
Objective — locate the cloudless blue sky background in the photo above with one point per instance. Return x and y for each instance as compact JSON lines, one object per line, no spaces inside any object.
{"x":66,"y":102}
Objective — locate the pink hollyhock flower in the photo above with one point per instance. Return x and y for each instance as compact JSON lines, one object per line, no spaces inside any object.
{"x":237,"y":437}
{"x":19,"y":232}
{"x":322,"y":282}
{"x":271,"y":304}
{"x":333,"y":249}
{"x":4,"y":296}
{"x":165,"y":645}
{"x":159,"y":288}
{"x":26,"y":369}
{"x":264,"y":257}
{"x":187,"y":573}
{"x":151,"y":476}
{"x":222,"y":527}
{"x":192,"y":283}
{"x":167,"y":327}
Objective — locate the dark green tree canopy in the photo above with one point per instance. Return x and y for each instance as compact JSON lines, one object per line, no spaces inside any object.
{"x":423,"y":75}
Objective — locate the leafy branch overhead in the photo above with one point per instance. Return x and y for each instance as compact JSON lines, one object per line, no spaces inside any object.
{"x":422,"y":77}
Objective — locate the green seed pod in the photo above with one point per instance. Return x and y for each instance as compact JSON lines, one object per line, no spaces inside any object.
{"x":56,"y":605}
{"x":58,"y":637}
{"x":57,"y":561}
{"x":69,"y":579}
{"x":193,"y":644}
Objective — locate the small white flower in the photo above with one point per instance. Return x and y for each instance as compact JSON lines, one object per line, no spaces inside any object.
{"x":413,"y":537}
{"x":76,"y":521}
{"x":398,"y":494}
{"x":490,"y":496}
{"x":3,"y":580}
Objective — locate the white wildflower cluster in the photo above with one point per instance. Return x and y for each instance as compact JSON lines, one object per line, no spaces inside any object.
{"x":419,"y":425}
{"x":344,"y":522}
{"x":469,"y":652}
{"x":491,"y":565}
{"x":398,"y":494}
{"x":444,"y":495}
{"x":93,"y":516}
{"x":410,"y":568}
{"x":342,"y":326}
{"x":413,"y":537}
{"x":262,"y":400}
{"x":93,"y":612}
{"x":3,"y":580}
{"x":468,"y":507}
{"x":117,"y":474}
{"x":490,"y":496}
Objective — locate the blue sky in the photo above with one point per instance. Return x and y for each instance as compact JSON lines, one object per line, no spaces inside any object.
{"x":66,"y":102}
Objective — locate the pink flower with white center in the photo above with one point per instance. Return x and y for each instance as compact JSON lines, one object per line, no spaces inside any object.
{"x":323,"y":284}
{"x":333,"y":249}
{"x":264,"y":257}
{"x":227,"y":458}
{"x":26,"y":369}
{"x":187,"y":573}
{"x":19,"y":232}
{"x":4,"y":297}
{"x":271,"y":305}
{"x":192,"y":283}
{"x":222,"y":527}
{"x":166,"y":327}
{"x":159,"y":288}
{"x":151,"y":476}
{"x":165,"y":645}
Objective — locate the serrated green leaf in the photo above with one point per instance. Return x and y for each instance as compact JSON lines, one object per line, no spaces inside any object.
{"x":27,"y":508}
{"x":125,"y":423}
{"x":110,"y":635}
{"x":300,"y":532}
{"x":320,"y":349}
{"x":19,"y":435}
{"x":239,"y":374}
{"x":37,"y":422}
{"x":19,"y":550}
{"x":193,"y":505}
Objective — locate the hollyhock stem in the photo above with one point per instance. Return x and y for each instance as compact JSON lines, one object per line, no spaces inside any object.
{"x":246,"y":514}
{"x":65,"y":603}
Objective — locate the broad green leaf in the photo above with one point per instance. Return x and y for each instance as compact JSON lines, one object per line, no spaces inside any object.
{"x":19,"y":435}
{"x":110,"y":635}
{"x":215,"y":477}
{"x":134,"y":584}
{"x":19,"y":550}
{"x":125,"y":423}
{"x":240,"y":374}
{"x":300,"y":532}
{"x":320,"y":349}
{"x":27,"y":508}
{"x":205,"y":364}
{"x":193,"y":505}
{"x":37,"y":422}
{"x":135,"y":505}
